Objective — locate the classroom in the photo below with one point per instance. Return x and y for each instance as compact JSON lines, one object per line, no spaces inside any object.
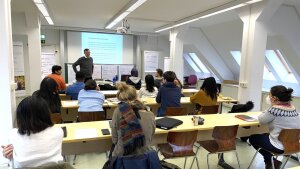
{"x":247,"y":46}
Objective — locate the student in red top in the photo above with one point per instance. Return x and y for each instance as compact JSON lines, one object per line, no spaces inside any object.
{"x":56,"y":75}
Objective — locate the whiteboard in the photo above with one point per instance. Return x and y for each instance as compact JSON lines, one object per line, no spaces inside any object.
{"x":109,"y":71}
{"x":125,"y":70}
{"x":71,"y":74}
{"x":97,"y":72}
{"x":150,"y":61}
{"x":47,"y":61}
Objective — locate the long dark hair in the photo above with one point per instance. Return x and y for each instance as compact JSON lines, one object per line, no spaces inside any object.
{"x":48,"y":91}
{"x":210,"y":87}
{"x":149,"y":83}
{"x":282,"y":93}
{"x":33,"y":115}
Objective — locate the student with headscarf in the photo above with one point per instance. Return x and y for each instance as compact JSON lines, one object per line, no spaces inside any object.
{"x":133,"y":126}
{"x":134,"y":80}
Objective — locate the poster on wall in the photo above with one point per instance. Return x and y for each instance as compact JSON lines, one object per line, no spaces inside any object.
{"x":19,"y":67}
{"x":47,"y":61}
{"x":97,"y":72}
{"x":150,"y":61}
{"x":109,"y":71}
{"x":167,"y":64}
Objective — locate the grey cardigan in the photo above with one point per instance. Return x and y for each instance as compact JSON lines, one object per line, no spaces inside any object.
{"x":147,"y":122}
{"x":279,"y":117}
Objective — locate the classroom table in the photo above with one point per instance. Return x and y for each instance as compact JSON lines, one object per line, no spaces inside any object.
{"x":109,"y":106}
{"x":113,"y":93}
{"x":86,"y":137}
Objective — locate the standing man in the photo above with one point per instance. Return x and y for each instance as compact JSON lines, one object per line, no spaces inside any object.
{"x":86,"y":65}
{"x":56,"y":75}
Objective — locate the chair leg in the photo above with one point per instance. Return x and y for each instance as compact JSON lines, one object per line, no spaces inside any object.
{"x":197,"y":162}
{"x":282,"y":166}
{"x":184,"y":162}
{"x":207,"y":158}
{"x":196,"y":155}
{"x":253,"y":158}
{"x":74,"y":159}
{"x":237,"y":157}
{"x":272,"y":161}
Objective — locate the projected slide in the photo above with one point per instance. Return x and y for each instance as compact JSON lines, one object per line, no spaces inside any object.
{"x":105,"y":48}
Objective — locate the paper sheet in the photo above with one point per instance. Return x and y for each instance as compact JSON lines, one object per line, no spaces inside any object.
{"x":85,"y":133}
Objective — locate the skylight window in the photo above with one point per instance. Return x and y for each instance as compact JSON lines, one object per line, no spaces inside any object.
{"x":199,"y":63}
{"x":193,"y":65}
{"x":280,"y":66}
{"x":268,"y":75}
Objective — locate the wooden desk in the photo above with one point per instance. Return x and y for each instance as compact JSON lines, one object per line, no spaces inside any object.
{"x":102,"y":143}
{"x":151,"y":102}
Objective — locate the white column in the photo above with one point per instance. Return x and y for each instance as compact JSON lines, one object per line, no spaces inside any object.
{"x":34,"y":49}
{"x":7,"y":101}
{"x":253,"y":50}
{"x":176,"y":51}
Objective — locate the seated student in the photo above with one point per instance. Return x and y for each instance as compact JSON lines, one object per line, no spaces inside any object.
{"x":56,"y":75}
{"x":132,"y":126}
{"x":150,"y":90}
{"x":90,"y":99}
{"x":48,"y":91}
{"x":207,"y":95}
{"x":281,"y":115}
{"x":35,"y":142}
{"x":74,"y":89}
{"x":169,"y":94}
{"x":158,"y":78}
{"x":134,"y":80}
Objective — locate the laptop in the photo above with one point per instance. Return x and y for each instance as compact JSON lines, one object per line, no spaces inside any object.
{"x":167,"y":123}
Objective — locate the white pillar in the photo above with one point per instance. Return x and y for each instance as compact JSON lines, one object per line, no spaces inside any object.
{"x":253,"y":50}
{"x":7,"y":101}
{"x":176,"y":51}
{"x":33,"y":27}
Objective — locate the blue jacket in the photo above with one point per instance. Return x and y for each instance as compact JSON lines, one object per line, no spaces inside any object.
{"x":168,"y":96}
{"x":74,"y":89}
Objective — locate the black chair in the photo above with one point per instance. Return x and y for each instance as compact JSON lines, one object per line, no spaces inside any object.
{"x":124,"y":78}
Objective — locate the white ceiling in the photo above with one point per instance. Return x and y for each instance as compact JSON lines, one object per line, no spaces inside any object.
{"x":95,"y":14}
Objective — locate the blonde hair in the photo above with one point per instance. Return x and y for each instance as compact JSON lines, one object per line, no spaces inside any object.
{"x":126,"y":92}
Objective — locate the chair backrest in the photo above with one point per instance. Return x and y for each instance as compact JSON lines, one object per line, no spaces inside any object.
{"x":192,"y":80}
{"x":290,"y":140}
{"x":182,"y":142}
{"x":175,"y":111}
{"x":69,"y":114}
{"x":65,"y":97}
{"x":124,"y":77}
{"x":56,"y":118}
{"x":148,"y":160}
{"x":52,"y":166}
{"x":91,"y":116}
{"x":210,"y":109}
{"x":225,"y":137}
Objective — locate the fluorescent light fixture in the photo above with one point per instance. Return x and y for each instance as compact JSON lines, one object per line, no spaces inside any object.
{"x":38,"y":1}
{"x":135,"y":5}
{"x":43,"y":9}
{"x":253,"y":1}
{"x":224,"y":10}
{"x":202,"y":15}
{"x":125,"y":11}
{"x":49,"y":20}
{"x":186,"y":22}
{"x":163,"y":29}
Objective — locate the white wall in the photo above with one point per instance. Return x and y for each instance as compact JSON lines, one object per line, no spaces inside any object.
{"x":28,"y":25}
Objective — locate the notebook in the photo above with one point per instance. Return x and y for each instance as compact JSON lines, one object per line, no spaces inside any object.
{"x":245,"y":118}
{"x":167,"y":123}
